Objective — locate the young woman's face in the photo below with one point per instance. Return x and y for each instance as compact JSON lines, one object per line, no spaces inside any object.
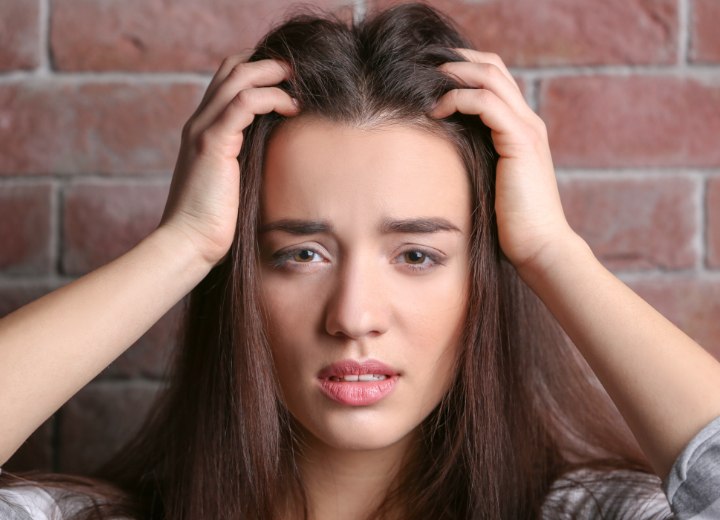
{"x":364,"y":245}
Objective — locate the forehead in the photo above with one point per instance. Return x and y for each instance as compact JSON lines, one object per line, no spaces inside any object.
{"x":322,"y":169}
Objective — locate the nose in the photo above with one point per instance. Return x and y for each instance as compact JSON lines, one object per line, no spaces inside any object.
{"x":358,"y":305}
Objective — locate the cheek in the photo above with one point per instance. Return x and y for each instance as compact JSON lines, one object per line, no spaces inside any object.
{"x":290,"y":320}
{"x":433,"y":325}
{"x":436,"y":309}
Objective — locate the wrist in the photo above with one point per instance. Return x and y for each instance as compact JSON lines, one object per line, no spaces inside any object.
{"x":567,"y":248}
{"x":177,"y":246}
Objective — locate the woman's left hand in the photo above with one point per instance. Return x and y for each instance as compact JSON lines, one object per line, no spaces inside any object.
{"x":675,"y":394}
{"x":527,"y":204}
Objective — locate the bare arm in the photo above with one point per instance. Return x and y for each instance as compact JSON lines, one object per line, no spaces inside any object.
{"x":52,"y":347}
{"x":664,"y":384}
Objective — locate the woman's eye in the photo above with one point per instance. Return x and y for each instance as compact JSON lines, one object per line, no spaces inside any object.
{"x":304,"y":255}
{"x":294,"y":258}
{"x":415,"y":257}
{"x":417,"y":260}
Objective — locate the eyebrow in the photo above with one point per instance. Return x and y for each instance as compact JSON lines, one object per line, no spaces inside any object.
{"x":297,"y":226}
{"x":417,"y":225}
{"x":409,"y":225}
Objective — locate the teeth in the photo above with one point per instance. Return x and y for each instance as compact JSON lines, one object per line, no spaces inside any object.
{"x":372,"y":377}
{"x":363,"y":377}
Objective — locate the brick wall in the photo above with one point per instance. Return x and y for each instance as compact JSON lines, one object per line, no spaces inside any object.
{"x":93,"y":94}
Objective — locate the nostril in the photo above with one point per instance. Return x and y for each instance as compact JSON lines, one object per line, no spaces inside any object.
{"x":355,"y":308}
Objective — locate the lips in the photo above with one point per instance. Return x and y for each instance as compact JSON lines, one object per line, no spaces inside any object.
{"x":355,"y":383}
{"x":350,"y":367}
{"x":359,"y":377}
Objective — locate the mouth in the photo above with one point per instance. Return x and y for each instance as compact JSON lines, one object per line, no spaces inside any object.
{"x":354,"y":383}
{"x":359,"y":377}
{"x":351,"y":370}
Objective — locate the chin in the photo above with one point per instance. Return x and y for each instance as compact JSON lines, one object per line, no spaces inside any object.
{"x":355,"y":442}
{"x":363,"y":432}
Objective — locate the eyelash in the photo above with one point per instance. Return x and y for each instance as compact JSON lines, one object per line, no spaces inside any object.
{"x":434,"y":259}
{"x":282,"y":259}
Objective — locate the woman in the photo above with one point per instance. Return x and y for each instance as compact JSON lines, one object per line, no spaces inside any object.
{"x":360,"y":339}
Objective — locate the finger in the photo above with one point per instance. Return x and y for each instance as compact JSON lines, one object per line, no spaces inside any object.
{"x":490,"y":77}
{"x":262,"y":73}
{"x":495,"y":113}
{"x":224,"y":135}
{"x":225,"y":67}
{"x":259,"y":73}
{"x":475,"y":56}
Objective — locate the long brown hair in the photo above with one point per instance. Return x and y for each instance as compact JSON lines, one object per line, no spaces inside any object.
{"x":524,"y":408}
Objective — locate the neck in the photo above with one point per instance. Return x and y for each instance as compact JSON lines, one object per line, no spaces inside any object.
{"x":346,"y":483}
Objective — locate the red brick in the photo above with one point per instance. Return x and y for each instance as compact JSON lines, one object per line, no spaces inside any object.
{"x":567,"y":32}
{"x":691,"y":303}
{"x":156,"y":35}
{"x":19,"y":34}
{"x":98,"y":420}
{"x":60,"y":127}
{"x":635,"y":224}
{"x":713,"y":221}
{"x":25,"y":228}
{"x":705,"y":38}
{"x":101,"y":221}
{"x":600,"y":121}
{"x":36,"y":453}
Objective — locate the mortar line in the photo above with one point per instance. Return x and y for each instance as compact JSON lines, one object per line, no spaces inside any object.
{"x":62,"y":187}
{"x":705,"y":223}
{"x":611,"y":173}
{"x":50,"y":281}
{"x":684,"y":33}
{"x":136,"y":78}
{"x":55,"y":440}
{"x":55,"y":210}
{"x":31,"y":179}
{"x":44,"y":68}
{"x":709,"y":72}
{"x":666,"y":274}
{"x":697,"y":71}
{"x":700,"y":241}
{"x":532,"y":93}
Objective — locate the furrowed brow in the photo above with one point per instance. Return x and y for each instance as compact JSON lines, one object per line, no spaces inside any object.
{"x":418,"y":225}
{"x":297,"y":227}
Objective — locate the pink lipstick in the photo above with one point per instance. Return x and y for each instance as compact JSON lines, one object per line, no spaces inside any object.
{"x":355,"y":383}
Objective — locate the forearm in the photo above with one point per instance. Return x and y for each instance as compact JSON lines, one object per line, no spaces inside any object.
{"x":665,"y":385}
{"x":52,"y":347}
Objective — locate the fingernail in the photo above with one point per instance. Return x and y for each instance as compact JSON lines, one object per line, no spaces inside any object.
{"x":295,"y":101}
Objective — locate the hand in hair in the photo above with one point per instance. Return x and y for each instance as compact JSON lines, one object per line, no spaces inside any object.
{"x":203,"y":199}
{"x":527,"y":203}
{"x":83,"y":326}
{"x":665,"y":385}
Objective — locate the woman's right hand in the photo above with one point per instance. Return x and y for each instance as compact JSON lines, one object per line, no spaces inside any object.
{"x":85,"y":325}
{"x":204,"y":193}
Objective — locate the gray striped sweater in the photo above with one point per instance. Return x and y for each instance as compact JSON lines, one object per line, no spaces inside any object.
{"x":690,"y":491}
